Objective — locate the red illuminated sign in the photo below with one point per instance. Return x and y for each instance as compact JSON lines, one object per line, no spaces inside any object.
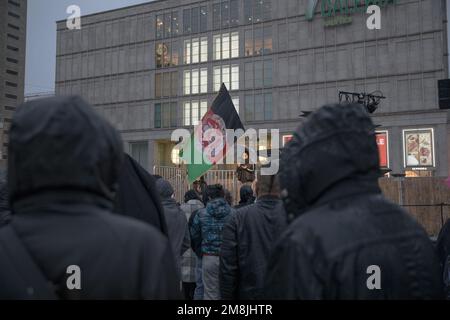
{"x":382,"y":142}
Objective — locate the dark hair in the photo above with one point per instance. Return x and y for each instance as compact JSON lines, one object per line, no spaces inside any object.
{"x":267,"y":185}
{"x":215,"y":191}
{"x":191,"y":195}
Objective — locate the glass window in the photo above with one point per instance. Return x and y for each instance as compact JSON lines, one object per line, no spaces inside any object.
{"x":203,"y":19}
{"x":217,"y":78}
{"x":236,"y":103}
{"x":225,"y":14}
{"x":226,"y":46}
{"x":216,"y":16}
{"x":187,"y":82}
{"x":235,"y":77}
{"x":248,"y":72}
{"x":187,"y":21}
{"x":195,"y":50}
{"x":268,"y":71}
{"x":268,"y":115}
{"x":217,"y":47}
{"x":195,"y":81}
{"x":165,"y":115}
{"x":187,"y":114}
{"x":203,"y":80}
{"x":175,"y":53}
{"x":159,"y":27}
{"x":175,"y":24}
{"x":166,"y":84}
{"x":204,"y":49}
{"x":203,"y":108}
{"x":282,"y":37}
{"x":258,"y":74}
{"x":195,"y":20}
{"x":249,"y":108}
{"x":157,"y":115}
{"x":234,"y":12}
{"x":159,"y":55}
{"x":248,"y":37}
{"x":158,"y":85}
{"x":139,"y":152}
{"x":248,"y":16}
{"x":267,"y":9}
{"x":258,"y":41}
{"x":235,"y":44}
{"x":226,"y":76}
{"x":195,"y":114}
{"x":167,"y":25}
{"x":268,"y":40}
{"x":259,"y":107}
{"x":174,"y":83}
{"x":173,"y":115}
{"x":167,"y":57}
{"x":187,"y":51}
{"x":257,"y":10}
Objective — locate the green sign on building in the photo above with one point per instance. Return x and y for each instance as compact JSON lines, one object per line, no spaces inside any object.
{"x":340,"y":10}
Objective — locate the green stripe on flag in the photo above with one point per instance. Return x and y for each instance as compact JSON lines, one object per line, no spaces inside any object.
{"x":194,"y":170}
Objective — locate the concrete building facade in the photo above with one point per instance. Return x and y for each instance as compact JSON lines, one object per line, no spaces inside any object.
{"x":155,"y":67}
{"x":13,"y":23}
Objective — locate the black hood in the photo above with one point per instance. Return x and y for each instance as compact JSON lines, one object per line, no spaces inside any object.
{"x":335,"y":144}
{"x":61,"y":143}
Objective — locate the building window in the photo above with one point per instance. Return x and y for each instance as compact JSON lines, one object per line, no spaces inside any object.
{"x":14,"y":15}
{"x":167,"y":25}
{"x":193,"y":112}
{"x":196,"y":50}
{"x":12,"y":36}
{"x":226,"y":14}
{"x":166,"y":115}
{"x":236,"y":103}
{"x":11,"y":72}
{"x":12,"y":60}
{"x":257,"y":10}
{"x":14,"y":3}
{"x":10,"y":84}
{"x":226,"y":46}
{"x":166,"y":84}
{"x":139,"y":152}
{"x":166,"y":54}
{"x":195,"y":81}
{"x":11,"y":96}
{"x":12,"y":48}
{"x":13,"y":26}
{"x":195,"y":20}
{"x":227,"y":75}
{"x":259,"y":41}
{"x":258,"y":107}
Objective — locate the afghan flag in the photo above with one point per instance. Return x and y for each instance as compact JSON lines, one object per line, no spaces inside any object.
{"x":208,"y":145}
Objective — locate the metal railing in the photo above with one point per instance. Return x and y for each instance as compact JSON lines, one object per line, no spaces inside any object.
{"x":178,"y":178}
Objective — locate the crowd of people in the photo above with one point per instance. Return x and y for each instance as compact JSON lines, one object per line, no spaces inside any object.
{"x":315,"y":230}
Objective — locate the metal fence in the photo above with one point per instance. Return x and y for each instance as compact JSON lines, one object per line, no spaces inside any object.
{"x":178,"y":178}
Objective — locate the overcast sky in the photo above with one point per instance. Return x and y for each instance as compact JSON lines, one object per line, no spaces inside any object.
{"x":41,"y":36}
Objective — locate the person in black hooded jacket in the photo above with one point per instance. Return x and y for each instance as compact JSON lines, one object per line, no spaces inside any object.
{"x":63,"y":168}
{"x":5,"y":214}
{"x":246,"y":196}
{"x":247,"y":242}
{"x":347,"y":241}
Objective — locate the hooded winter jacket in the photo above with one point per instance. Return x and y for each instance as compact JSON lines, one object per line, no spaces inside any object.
{"x":248,"y":239}
{"x":207,"y":226}
{"x":63,"y":168}
{"x":347,"y":241}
